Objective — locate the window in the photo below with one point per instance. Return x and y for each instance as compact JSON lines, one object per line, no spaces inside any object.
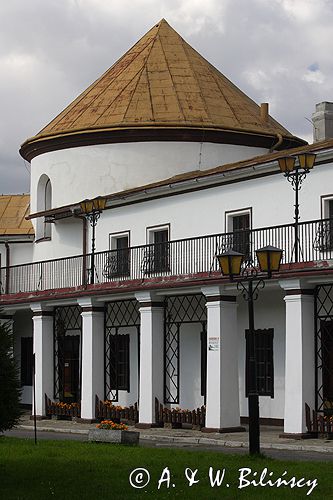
{"x":264,"y":358}
{"x":118,"y":263}
{"x":203,"y":339}
{"x":324,"y":236}
{"x":44,"y":202}
{"x":26,"y":360}
{"x":158,"y":255}
{"x":119,"y":363}
{"x":239,"y":223}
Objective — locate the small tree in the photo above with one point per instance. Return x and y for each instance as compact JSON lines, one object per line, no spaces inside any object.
{"x":10,"y":389}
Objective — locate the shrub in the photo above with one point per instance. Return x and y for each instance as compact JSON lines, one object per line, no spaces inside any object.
{"x":10,"y":389}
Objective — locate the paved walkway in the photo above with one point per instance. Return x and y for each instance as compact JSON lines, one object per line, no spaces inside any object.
{"x":269,"y":436}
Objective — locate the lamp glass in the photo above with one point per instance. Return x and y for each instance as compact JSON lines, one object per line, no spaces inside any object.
{"x":99,"y":203}
{"x":86,"y":206}
{"x":269,"y":258}
{"x":306,"y":160}
{"x":230,"y":262}
{"x":287,"y":163}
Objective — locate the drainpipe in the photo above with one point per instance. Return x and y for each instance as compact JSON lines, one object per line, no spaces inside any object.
{"x":7,"y":267}
{"x":84,"y":248}
{"x":277,"y":144}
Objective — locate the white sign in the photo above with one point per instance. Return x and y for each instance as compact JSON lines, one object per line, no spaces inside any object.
{"x":214,"y":343}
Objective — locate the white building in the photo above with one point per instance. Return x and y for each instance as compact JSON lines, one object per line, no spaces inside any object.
{"x":188,"y":165}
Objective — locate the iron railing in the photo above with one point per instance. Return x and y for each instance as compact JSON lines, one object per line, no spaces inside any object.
{"x":190,"y":256}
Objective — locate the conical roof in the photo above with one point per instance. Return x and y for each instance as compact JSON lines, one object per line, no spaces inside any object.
{"x":160,"y":86}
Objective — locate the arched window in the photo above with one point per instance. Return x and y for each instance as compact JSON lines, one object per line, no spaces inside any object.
{"x":44,"y":202}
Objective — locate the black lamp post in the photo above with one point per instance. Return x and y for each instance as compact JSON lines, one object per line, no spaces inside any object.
{"x":92,"y":210}
{"x":296,"y":172}
{"x":269,"y":259}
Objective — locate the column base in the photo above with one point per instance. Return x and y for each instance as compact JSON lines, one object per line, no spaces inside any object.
{"x":297,"y":435}
{"x":223,"y":430}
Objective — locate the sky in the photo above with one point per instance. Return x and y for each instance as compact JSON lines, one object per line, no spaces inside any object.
{"x":276,"y":51}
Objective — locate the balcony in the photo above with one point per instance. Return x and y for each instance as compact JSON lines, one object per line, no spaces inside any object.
{"x":173,"y":260}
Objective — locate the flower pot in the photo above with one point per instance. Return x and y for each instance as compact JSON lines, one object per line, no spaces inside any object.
{"x":113,"y":436}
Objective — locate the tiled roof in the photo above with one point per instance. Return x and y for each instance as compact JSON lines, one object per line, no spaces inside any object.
{"x":161,"y":82}
{"x":13,"y":211}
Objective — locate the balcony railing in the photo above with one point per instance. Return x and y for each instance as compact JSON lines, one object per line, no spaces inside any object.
{"x":186,"y":257}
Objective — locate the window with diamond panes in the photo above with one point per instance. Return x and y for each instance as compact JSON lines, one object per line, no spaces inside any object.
{"x":120,"y":372}
{"x":26,"y":360}
{"x":324,"y":348}
{"x":264,"y":359}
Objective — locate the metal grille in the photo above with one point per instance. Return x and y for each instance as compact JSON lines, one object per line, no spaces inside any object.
{"x":179,"y":309}
{"x":66,"y":319}
{"x":117,"y":315}
{"x":324,"y":348}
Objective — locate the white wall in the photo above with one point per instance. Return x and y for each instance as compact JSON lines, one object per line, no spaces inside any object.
{"x":20,"y":253}
{"x":194,"y":214}
{"x":86,"y":172}
{"x":190,"y":367}
{"x":267,"y":302}
{"x":130,"y":398}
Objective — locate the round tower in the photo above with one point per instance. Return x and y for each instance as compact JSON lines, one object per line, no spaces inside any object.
{"x":159,"y":111}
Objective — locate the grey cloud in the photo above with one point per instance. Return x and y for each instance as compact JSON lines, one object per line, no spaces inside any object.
{"x":51,"y":51}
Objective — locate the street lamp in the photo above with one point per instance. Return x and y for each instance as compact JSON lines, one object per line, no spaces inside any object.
{"x":296,"y":172}
{"x":92,"y":210}
{"x":269,"y":259}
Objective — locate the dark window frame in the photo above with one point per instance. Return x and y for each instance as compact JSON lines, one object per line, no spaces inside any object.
{"x":26,"y":361}
{"x":120,"y":358}
{"x":264,"y":345}
{"x":158,"y":251}
{"x":119,"y":259}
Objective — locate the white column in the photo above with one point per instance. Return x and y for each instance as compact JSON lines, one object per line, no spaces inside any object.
{"x":92,"y":356}
{"x":300,"y":356}
{"x":222,"y":399}
{"x":151,"y":356}
{"x":43,"y":349}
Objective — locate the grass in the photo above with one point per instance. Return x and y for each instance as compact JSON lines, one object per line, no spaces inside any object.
{"x":79,"y":470}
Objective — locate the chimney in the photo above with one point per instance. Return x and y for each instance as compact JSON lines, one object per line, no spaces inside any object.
{"x":322,"y":120}
{"x":264,"y":112}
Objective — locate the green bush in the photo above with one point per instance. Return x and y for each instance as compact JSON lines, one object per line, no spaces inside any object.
{"x":10,"y":390}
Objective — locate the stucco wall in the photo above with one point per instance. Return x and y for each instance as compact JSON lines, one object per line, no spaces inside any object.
{"x":86,"y":172}
{"x":198,"y":213}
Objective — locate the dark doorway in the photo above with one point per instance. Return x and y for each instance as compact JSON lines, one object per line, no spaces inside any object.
{"x":70,"y":374}
{"x":67,"y":354}
{"x":327,"y":357}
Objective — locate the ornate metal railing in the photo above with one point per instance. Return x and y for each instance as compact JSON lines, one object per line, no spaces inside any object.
{"x":186,"y":257}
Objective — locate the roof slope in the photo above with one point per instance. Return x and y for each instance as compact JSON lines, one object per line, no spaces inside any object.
{"x":162,"y":82}
{"x":13,"y":211}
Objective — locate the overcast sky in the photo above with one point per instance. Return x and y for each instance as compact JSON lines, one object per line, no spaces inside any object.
{"x":276,"y":51}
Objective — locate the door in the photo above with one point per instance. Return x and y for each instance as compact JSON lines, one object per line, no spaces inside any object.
{"x":71,"y":368}
{"x":327,"y":358}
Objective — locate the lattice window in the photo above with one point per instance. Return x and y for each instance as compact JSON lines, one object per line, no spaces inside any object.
{"x":265,"y":363}
{"x":118,"y":314}
{"x":26,"y":360}
{"x":67,"y":319}
{"x":324,"y":348}
{"x":179,"y":309}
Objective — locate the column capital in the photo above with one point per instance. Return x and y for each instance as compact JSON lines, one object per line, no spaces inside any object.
{"x":149,"y":299}
{"x":39,"y":310}
{"x":297,"y":287}
{"x":88,"y":304}
{"x":217,"y":294}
